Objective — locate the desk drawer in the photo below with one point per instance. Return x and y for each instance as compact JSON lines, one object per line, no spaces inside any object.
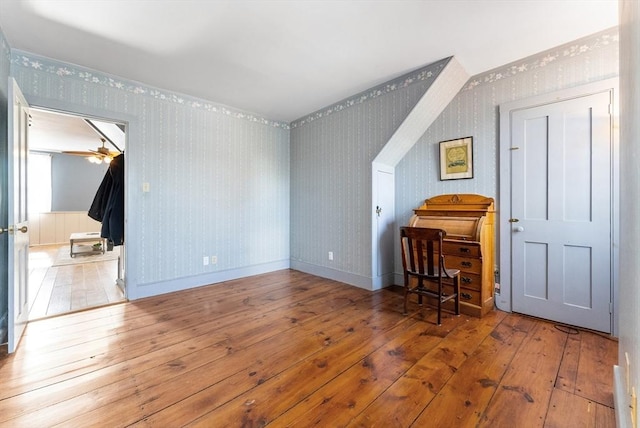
{"x":470,"y":249}
{"x":470,"y":296}
{"x":470,"y":281}
{"x":465,"y":264}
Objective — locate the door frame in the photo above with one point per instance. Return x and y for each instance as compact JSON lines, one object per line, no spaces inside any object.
{"x":503,"y":295}
{"x":62,"y":107}
{"x":121,"y":264}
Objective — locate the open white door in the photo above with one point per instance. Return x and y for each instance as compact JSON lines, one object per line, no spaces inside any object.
{"x":18,"y":226}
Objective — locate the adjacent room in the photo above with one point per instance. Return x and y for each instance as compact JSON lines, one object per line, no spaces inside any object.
{"x":68,"y":159}
{"x":283,"y":161}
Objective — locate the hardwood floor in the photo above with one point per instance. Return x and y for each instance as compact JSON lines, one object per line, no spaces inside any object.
{"x":55,"y":290}
{"x":291,"y":349}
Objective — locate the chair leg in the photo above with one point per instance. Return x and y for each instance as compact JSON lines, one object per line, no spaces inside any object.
{"x":406,"y":297}
{"x":439,"y":303}
{"x":456,"y":283}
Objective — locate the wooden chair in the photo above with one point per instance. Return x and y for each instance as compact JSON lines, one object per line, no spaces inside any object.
{"x":422,"y":259}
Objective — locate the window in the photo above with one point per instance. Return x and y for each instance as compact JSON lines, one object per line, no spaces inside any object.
{"x":39,"y":183}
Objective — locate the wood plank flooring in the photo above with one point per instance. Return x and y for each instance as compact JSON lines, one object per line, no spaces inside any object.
{"x":291,"y":349}
{"x":55,"y":290}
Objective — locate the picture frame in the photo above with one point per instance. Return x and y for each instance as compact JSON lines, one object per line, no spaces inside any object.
{"x":456,"y":159}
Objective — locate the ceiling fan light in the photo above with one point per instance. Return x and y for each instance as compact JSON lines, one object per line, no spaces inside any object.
{"x":107,"y":159}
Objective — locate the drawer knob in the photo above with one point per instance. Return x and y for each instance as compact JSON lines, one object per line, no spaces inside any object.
{"x":464,"y":250}
{"x":465,"y":279}
{"x":466,"y":264}
{"x":466,"y":296}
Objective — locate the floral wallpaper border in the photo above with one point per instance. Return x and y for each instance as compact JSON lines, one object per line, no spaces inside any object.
{"x":573,"y":49}
{"x":580,"y":47}
{"x":4,"y":45}
{"x":70,"y":71}
{"x":428,"y":72}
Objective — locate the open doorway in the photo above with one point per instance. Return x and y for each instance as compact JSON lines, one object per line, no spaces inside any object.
{"x":69,"y":156}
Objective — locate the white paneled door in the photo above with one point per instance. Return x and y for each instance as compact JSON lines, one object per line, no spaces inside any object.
{"x":561,"y":181}
{"x":18,"y":230}
{"x":385,"y":216}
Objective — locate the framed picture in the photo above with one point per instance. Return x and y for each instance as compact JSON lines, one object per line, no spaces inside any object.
{"x":456,"y":159}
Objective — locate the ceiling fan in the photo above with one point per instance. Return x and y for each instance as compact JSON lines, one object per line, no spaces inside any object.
{"x":100,"y":155}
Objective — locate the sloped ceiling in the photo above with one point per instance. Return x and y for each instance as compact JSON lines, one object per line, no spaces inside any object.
{"x":285,"y":59}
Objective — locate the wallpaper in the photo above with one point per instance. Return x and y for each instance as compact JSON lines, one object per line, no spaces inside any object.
{"x":218,"y":178}
{"x":4,"y":87}
{"x":332,"y":150}
{"x":260,"y":194}
{"x":474,"y":112}
{"x":331,"y":155}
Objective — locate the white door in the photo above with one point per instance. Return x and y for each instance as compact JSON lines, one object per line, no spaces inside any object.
{"x":18,"y":226}
{"x":385,"y":216}
{"x":561,"y":211}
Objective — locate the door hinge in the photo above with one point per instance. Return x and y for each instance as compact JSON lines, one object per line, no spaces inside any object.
{"x":514,"y":148}
{"x":610,"y":307}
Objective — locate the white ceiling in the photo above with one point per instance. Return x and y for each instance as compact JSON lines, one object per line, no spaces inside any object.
{"x":285,"y":59}
{"x":56,"y":132}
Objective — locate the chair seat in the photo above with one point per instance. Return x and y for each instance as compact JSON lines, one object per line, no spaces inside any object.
{"x":449,"y":273}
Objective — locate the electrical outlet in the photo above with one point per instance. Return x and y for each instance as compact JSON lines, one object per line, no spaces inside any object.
{"x":330,"y":255}
{"x":214,"y":260}
{"x":205,"y":261}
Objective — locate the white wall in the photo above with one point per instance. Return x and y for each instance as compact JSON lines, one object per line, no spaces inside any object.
{"x":629,"y":318}
{"x":56,"y":227}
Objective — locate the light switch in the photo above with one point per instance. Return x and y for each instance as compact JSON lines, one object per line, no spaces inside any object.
{"x":145,"y":187}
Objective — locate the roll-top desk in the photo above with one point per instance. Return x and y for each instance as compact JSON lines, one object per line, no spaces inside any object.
{"x":469,"y":246}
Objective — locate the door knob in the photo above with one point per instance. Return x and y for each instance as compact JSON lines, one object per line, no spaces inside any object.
{"x":22,"y":229}
{"x":519,"y":229}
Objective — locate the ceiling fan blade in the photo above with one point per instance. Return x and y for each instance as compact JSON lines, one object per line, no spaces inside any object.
{"x":101,"y":153}
{"x":77,"y":153}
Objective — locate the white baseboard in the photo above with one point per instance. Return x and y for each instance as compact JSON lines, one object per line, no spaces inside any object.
{"x":334,"y":274}
{"x":621,"y":399}
{"x":157,"y":288}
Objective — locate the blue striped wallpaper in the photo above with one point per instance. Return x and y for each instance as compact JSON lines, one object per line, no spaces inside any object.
{"x":331,"y":155}
{"x":260,"y":194}
{"x":332,"y":150}
{"x":474,"y":112}
{"x":218,"y":177}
